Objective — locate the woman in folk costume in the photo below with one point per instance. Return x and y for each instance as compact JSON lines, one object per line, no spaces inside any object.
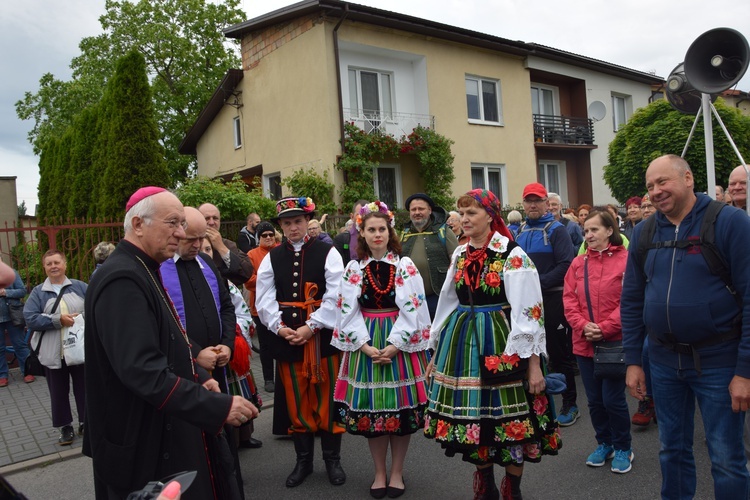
{"x":486,"y":399}
{"x":383,"y":329}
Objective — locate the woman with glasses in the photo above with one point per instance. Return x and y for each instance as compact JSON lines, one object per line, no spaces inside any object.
{"x":315,"y":231}
{"x":266,"y":241}
{"x":647,"y":208}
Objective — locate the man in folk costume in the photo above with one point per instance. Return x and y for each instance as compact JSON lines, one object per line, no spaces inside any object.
{"x":205,"y":309}
{"x":150,"y":413}
{"x":297,"y":290}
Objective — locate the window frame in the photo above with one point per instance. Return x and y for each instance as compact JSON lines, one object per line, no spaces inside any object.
{"x":397,"y":174}
{"x":237,"y":131}
{"x":562,"y":177}
{"x":267,"y":185}
{"x":498,"y":97}
{"x":386,"y":114}
{"x":616,"y":124}
{"x":486,"y":168}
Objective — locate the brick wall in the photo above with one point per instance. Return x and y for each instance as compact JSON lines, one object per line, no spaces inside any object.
{"x":259,"y":44}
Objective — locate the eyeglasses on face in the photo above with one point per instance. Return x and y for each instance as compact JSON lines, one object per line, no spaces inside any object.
{"x":267,"y":235}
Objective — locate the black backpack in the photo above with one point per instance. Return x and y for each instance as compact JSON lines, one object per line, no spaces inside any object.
{"x":716,"y":263}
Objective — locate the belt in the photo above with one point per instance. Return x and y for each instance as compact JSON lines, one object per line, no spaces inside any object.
{"x":692,"y":348}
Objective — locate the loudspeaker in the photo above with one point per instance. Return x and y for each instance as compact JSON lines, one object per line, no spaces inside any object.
{"x":716,"y":60}
{"x":681,"y":94}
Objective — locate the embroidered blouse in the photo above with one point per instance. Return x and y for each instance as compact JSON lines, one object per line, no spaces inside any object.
{"x":411,"y":329}
{"x":506,"y":275}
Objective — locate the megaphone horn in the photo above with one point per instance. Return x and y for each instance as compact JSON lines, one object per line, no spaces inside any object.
{"x":717,"y":60}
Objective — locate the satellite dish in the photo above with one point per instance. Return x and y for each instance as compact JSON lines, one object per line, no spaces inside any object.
{"x":597,"y":110}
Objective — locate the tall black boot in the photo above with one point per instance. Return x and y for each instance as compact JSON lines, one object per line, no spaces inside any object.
{"x":511,"y":487}
{"x":331,"y":444}
{"x":484,"y":484}
{"x":304,"y":445}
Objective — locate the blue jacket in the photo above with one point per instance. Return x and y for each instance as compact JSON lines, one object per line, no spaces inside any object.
{"x":681,"y":296}
{"x":13,"y":295}
{"x":551,"y":260}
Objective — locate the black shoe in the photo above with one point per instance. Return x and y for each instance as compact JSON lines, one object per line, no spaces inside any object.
{"x":251,"y":443}
{"x":378,"y":492}
{"x":80,"y":429}
{"x":67,"y":435}
{"x":269,"y":386}
{"x":396,"y":492}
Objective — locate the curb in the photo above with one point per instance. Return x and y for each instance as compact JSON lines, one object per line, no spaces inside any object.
{"x":34,"y":463}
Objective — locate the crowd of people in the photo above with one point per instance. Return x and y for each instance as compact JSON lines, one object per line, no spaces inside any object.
{"x":450,"y":329}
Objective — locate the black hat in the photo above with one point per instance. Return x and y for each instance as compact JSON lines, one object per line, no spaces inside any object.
{"x":264,"y":227}
{"x":293,"y":206}
{"x":420,"y":196}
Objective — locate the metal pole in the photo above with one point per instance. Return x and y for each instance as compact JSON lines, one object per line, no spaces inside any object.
{"x":708,"y":133}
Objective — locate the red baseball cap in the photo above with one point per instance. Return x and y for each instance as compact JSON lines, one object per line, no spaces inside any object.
{"x":535,"y":189}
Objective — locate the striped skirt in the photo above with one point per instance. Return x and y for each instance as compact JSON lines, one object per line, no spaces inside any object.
{"x":501,"y":424}
{"x":374,"y":400}
{"x":243,"y":385}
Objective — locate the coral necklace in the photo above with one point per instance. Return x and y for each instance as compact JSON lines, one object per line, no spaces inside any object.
{"x":375,"y":284}
{"x":474,"y":262}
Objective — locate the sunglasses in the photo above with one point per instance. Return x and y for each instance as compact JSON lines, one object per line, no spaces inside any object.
{"x":267,"y":235}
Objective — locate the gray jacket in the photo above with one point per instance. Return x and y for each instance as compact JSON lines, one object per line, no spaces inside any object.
{"x":39,"y":317}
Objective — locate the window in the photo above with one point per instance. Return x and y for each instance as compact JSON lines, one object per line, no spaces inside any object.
{"x":483,"y":100}
{"x":272,"y":185}
{"x":387,"y":182}
{"x":370,"y":96}
{"x":237,"y":133}
{"x":492,"y":177}
{"x":552,"y":174}
{"x":618,"y":111}
{"x":543,"y":100}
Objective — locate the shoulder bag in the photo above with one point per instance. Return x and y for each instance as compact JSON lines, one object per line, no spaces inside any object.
{"x":33,"y":366}
{"x":609,"y":356}
{"x":16,"y":314}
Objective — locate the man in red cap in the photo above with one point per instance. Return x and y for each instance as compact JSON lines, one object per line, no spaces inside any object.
{"x":153,"y":411}
{"x":296,"y":298}
{"x":548,"y":245}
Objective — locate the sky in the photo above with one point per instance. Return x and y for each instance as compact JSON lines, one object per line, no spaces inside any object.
{"x":40,"y":36}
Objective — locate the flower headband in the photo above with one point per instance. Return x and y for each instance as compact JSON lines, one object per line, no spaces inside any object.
{"x":375,"y":206}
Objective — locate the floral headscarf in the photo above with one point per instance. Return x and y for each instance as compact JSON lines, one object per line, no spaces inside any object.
{"x":491,"y":205}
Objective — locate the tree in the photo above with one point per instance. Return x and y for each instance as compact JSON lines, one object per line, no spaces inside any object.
{"x":134,"y":156}
{"x":657,"y":130}
{"x":22,"y":209}
{"x":186,"y":56}
{"x":234,"y":199}
{"x":313,"y":185}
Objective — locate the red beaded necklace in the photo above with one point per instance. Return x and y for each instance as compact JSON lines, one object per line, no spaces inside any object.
{"x":375,"y":284}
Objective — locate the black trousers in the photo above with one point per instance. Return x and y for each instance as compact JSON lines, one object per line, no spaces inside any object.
{"x":266,"y":359}
{"x":560,"y":344}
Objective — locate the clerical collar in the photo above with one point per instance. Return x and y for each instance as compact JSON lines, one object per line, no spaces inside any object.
{"x":196,"y":259}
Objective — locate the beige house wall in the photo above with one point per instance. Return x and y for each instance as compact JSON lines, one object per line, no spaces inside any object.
{"x":8,"y":214}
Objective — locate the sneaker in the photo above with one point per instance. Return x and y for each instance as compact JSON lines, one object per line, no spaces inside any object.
{"x":623,"y":461}
{"x":269,"y":386}
{"x":645,"y":412}
{"x":29,"y":379}
{"x":67,"y":435}
{"x":568,"y":415}
{"x":601,"y":454}
{"x":3,"y":382}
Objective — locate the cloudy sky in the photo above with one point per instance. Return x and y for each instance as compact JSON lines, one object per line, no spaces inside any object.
{"x":40,"y":36}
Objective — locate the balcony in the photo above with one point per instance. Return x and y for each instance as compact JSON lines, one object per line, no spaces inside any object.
{"x":566,"y":130}
{"x":395,"y":124}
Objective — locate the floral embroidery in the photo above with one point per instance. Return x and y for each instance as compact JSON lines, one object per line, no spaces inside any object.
{"x":540,"y":404}
{"x":411,"y":270}
{"x":363,"y":424}
{"x":516,"y":453}
{"x":355,"y":278}
{"x":535,"y":313}
{"x":491,"y":280}
{"x":426,"y":333}
{"x":441,"y":432}
{"x":472,"y":434}
{"x":501,"y":363}
{"x":345,"y":338}
{"x":516,"y":262}
{"x":399,"y":280}
{"x":392,"y":424}
{"x":497,"y":266}
{"x":515,"y":430}
{"x":496,"y":244}
{"x":532,"y":450}
{"x":415,"y":301}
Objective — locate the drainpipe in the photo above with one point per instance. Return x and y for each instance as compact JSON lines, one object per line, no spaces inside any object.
{"x":338,"y":74}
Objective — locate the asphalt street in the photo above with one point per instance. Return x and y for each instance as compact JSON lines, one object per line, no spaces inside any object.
{"x":429,"y":474}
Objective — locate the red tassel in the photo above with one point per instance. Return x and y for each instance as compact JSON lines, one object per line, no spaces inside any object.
{"x":240,"y":362}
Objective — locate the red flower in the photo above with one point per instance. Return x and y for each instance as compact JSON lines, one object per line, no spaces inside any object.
{"x":411,"y":270}
{"x":426,"y":333}
{"x":414,"y":339}
{"x":340,"y":302}
{"x":491,"y":363}
{"x":363,"y":424}
{"x":515,"y":430}
{"x":536,"y":312}
{"x":391,"y":424}
{"x":399,"y":280}
{"x":492,"y":279}
{"x":483,"y":453}
{"x":540,"y":404}
{"x":512,"y":359}
{"x":516,"y":262}
{"x":442,"y":429}
{"x":553,"y":441}
{"x":354,"y":279}
{"x":457,"y":277}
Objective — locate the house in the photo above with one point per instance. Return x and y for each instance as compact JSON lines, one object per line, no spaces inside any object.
{"x":517,"y":112}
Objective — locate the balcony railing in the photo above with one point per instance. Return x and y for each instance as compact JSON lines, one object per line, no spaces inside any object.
{"x":395,"y":124}
{"x":555,"y":129}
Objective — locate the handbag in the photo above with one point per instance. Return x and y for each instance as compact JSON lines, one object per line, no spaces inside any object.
{"x":609,"y":356}
{"x":33,"y":366}
{"x":16,"y":314}
{"x":73,"y":343}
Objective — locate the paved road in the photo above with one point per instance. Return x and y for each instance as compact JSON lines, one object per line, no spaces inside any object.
{"x":429,"y":474}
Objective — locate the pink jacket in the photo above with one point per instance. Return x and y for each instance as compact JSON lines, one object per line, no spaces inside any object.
{"x":606,"y":271}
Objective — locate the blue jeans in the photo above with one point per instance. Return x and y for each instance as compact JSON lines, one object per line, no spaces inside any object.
{"x":675,"y":392}
{"x":17,"y":338}
{"x":608,"y":407}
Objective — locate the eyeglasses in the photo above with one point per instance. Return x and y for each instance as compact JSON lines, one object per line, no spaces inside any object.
{"x":535,"y":202}
{"x":267,"y":235}
{"x":644,"y":206}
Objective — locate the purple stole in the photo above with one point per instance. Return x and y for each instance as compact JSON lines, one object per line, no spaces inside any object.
{"x":172,"y":286}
